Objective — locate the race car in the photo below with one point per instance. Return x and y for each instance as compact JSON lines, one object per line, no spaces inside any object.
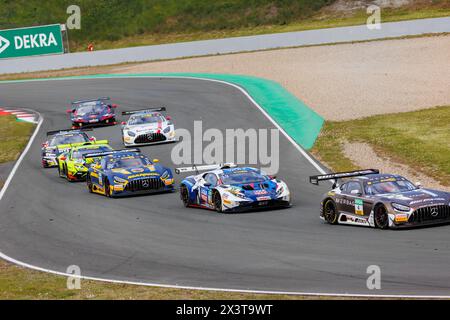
{"x":369,"y":198}
{"x":58,"y":142}
{"x":229,"y":188}
{"x":127,"y":172}
{"x":91,"y":113}
{"x":72,"y":165}
{"x":147,"y":126}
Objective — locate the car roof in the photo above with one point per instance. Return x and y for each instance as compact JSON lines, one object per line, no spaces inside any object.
{"x":63,"y":133}
{"x":378,"y":177}
{"x":90,"y":146}
{"x":236,"y":170}
{"x":89,"y":103}
{"x":149,"y":114}
{"x":120,"y":155}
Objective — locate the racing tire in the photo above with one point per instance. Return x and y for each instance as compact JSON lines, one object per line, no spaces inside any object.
{"x":330,"y":213}
{"x":217,"y":200}
{"x":60,"y":173}
{"x":66,"y":173}
{"x":108,"y":191}
{"x":89,"y":183}
{"x":184,"y":195}
{"x":381,"y":217}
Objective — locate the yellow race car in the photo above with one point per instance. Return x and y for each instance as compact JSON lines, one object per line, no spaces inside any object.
{"x":73,"y":166}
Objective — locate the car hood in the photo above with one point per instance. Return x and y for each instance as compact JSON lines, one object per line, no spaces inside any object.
{"x":146,"y":127}
{"x":267,"y":188}
{"x":89,"y":115}
{"x":419,"y":198}
{"x":138,"y":172}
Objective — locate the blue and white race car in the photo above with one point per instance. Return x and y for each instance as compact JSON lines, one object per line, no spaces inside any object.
{"x":90,"y":113}
{"x":229,"y":188}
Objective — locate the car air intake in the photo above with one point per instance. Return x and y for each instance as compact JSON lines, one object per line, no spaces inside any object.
{"x":149,"y":138}
{"x":431,"y":213}
{"x":145,"y":184}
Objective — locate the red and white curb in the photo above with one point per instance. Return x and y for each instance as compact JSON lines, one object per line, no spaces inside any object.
{"x":20,"y":114}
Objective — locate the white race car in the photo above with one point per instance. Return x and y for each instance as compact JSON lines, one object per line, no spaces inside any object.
{"x":148,"y":126}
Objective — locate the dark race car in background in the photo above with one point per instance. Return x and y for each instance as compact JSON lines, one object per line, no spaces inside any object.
{"x":369,"y":198}
{"x":127,"y":172}
{"x":56,"y":141}
{"x":91,"y":113}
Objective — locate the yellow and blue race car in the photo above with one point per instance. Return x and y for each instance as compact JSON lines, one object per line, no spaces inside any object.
{"x":72,"y":165}
{"x":127,"y":172}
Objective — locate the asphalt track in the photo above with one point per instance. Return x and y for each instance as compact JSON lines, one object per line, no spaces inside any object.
{"x":50,"y":223}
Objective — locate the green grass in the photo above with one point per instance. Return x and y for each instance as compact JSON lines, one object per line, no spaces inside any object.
{"x":115,"y":24}
{"x":419,"y":139}
{"x":17,"y":283}
{"x":14,"y":137}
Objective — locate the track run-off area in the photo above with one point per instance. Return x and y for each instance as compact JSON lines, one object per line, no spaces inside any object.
{"x":49,"y":223}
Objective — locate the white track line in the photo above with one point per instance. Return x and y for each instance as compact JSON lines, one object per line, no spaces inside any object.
{"x":315,"y":294}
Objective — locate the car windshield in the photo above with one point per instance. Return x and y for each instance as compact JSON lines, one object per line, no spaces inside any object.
{"x":394,"y":186}
{"x":132,"y":162}
{"x":242,"y":177}
{"x":89,"y":107}
{"x":68,"y":139}
{"x":78,"y":154}
{"x":143,"y":119}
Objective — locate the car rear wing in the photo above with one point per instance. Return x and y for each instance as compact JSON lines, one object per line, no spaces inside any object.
{"x":125,"y":113}
{"x":65,"y":147}
{"x":91,"y":100}
{"x":53,"y":132}
{"x":207,"y":167}
{"x":339,"y":175}
{"x":107,"y":153}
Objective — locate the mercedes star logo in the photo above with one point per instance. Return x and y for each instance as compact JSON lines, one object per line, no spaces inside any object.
{"x":145,"y":183}
{"x":434,"y":212}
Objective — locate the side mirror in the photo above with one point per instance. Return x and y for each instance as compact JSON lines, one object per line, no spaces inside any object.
{"x":123,"y":123}
{"x":114,"y":106}
{"x":155,"y":160}
{"x":69,"y":111}
{"x":168,"y":118}
{"x":97,"y":166}
{"x":272,"y":177}
{"x":418,"y":184}
{"x":92,"y":138}
{"x":63,"y":158}
{"x":356,"y":192}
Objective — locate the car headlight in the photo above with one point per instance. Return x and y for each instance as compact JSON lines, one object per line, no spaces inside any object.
{"x":119,"y":180}
{"x":400,"y":207}
{"x":166,"y":130}
{"x":131,"y":133}
{"x":237,"y":193}
{"x":165,"y":175}
{"x":280,"y":191}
